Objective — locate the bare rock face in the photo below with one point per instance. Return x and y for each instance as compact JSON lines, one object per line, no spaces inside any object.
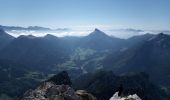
{"x":130,"y":97}
{"x":50,"y":91}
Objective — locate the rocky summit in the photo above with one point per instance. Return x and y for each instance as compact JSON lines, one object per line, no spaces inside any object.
{"x":51,"y":91}
{"x":57,"y":87}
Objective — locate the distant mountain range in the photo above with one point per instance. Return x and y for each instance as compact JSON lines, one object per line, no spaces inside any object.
{"x":30,"y":28}
{"x":44,"y":56}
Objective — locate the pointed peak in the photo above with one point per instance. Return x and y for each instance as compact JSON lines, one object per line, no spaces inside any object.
{"x":97,"y":30}
{"x":50,"y":37}
{"x":148,"y":34}
{"x":161,"y":35}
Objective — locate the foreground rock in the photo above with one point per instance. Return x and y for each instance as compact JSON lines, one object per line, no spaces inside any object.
{"x":50,"y":91}
{"x":130,"y":97}
{"x":57,"y":88}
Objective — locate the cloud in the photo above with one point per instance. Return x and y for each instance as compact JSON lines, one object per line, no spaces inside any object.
{"x":129,"y":32}
{"x":125,"y":33}
{"x":60,"y":32}
{"x":57,"y":32}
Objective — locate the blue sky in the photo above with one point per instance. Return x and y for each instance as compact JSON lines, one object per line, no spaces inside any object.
{"x":137,"y":14}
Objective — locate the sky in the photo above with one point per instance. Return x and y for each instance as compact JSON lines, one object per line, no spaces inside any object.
{"x":87,"y":14}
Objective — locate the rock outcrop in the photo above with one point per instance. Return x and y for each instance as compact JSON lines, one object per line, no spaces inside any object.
{"x":57,"y":88}
{"x":130,"y":97}
{"x":50,"y":91}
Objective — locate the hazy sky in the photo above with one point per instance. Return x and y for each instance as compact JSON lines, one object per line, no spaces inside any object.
{"x":138,"y":14}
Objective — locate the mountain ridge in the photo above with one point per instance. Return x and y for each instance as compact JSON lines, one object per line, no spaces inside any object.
{"x":5,"y":38}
